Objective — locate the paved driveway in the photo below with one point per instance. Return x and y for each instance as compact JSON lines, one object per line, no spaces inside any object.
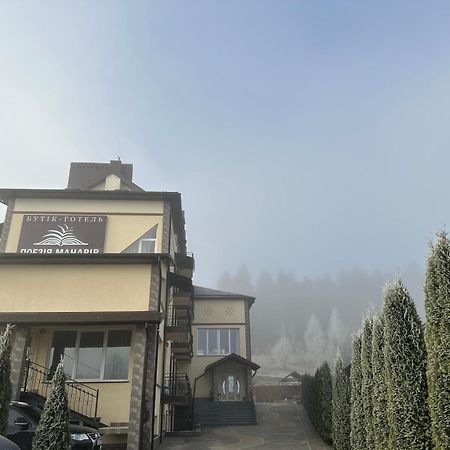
{"x":282,"y":426}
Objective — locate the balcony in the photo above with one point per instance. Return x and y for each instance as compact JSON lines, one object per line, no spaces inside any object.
{"x":182,"y":298}
{"x":185,"y":264}
{"x":177,"y":389}
{"x":182,"y":351}
{"x":178,"y":324}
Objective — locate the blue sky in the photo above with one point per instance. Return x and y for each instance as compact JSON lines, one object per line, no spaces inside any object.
{"x":308,"y":136}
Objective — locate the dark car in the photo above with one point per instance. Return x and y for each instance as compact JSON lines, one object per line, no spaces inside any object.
{"x":6,"y":444}
{"x":23,"y":420}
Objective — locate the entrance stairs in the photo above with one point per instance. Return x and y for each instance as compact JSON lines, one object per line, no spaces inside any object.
{"x":207,"y":412}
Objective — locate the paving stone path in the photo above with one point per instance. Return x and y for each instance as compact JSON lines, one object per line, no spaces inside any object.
{"x":281,"y":426}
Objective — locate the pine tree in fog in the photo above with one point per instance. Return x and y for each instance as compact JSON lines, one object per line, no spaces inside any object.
{"x":367,"y":379}
{"x":341,"y":407}
{"x":437,"y":307}
{"x":357,"y":420}
{"x":380,"y":421}
{"x":405,"y":359}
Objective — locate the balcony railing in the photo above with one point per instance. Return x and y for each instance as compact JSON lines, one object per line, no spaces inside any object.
{"x":176,"y":318}
{"x":82,"y":398}
{"x":177,"y":389}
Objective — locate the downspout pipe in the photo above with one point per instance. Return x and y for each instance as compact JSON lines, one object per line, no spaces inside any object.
{"x":156,"y":359}
{"x":193,"y":396}
{"x":165,"y":318}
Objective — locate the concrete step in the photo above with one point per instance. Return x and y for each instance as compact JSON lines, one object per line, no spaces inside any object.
{"x":224,"y":413}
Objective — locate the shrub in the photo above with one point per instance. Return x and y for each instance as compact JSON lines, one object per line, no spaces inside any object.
{"x":437,"y":301}
{"x":5,"y":373}
{"x":325,"y":387}
{"x":357,"y":420}
{"x":341,"y":407}
{"x":405,"y":359}
{"x":367,"y":379}
{"x":53,"y":429}
{"x":380,"y":421}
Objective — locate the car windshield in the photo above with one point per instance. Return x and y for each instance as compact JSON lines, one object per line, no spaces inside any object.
{"x":34,"y":413}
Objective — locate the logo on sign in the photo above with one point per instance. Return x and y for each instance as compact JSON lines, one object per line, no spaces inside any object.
{"x":62,"y":234}
{"x":63,"y":237}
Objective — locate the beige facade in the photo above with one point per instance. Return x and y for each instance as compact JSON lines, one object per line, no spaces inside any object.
{"x":123,"y":313}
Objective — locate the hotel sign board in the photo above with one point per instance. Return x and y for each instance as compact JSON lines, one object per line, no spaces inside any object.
{"x":62,"y":234}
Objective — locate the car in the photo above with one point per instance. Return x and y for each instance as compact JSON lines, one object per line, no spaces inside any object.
{"x":23,"y":420}
{"x":6,"y":444}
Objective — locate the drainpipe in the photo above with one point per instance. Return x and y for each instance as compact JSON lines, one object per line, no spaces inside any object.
{"x":156,"y":357}
{"x":164,"y":347}
{"x":193,"y":396}
{"x":161,"y":407}
{"x":154,"y":385}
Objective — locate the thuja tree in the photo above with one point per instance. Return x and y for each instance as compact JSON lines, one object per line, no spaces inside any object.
{"x":405,"y":359}
{"x":5,"y":372}
{"x":325,"y":399}
{"x":357,"y":421}
{"x":309,"y":393}
{"x":341,"y":407}
{"x":53,"y":430}
{"x":437,"y":308}
{"x":367,"y":378}
{"x":380,"y":422}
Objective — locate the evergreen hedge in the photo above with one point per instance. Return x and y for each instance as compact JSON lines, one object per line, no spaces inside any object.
{"x":437,"y":308}
{"x":325,"y":388}
{"x":53,"y":429}
{"x":405,"y":359}
{"x":341,"y":407}
{"x":367,"y":380}
{"x":5,"y":373}
{"x":357,"y":420}
{"x":317,"y":400}
{"x":380,"y":421}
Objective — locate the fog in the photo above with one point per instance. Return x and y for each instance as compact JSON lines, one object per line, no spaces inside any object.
{"x":297,"y":323}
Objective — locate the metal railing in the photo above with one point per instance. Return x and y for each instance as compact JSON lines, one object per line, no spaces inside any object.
{"x":176,"y":386}
{"x":175,"y":319}
{"x":82,"y":399}
{"x":177,"y":419}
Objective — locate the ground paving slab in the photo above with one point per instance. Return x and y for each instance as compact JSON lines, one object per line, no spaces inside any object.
{"x":281,"y":426}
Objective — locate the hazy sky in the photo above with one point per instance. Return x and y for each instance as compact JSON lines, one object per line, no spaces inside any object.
{"x":310,"y":136}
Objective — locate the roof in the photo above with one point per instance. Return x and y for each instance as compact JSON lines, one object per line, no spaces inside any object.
{"x":97,"y":317}
{"x":84,"y":175}
{"x":236,"y":358}
{"x":207,"y":293}
{"x":293,"y":375}
{"x":99,"y":258}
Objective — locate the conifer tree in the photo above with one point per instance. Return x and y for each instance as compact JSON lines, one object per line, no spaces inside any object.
{"x":367,"y":379}
{"x":341,"y":407}
{"x":325,"y":401}
{"x":53,"y":429}
{"x":357,"y":421}
{"x":5,"y":373}
{"x":437,"y":309}
{"x":405,"y":359}
{"x":380,"y":422}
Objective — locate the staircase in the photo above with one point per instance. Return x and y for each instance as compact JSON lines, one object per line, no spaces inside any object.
{"x":82,"y":399}
{"x":207,"y":412}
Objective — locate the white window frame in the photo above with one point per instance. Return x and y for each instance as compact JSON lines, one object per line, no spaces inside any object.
{"x":217,"y":330}
{"x":103,"y":363}
{"x":141,"y":242}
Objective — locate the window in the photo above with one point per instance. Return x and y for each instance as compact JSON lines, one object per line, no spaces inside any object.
{"x":217,"y":341}
{"x":92,"y":355}
{"x":145,"y":244}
